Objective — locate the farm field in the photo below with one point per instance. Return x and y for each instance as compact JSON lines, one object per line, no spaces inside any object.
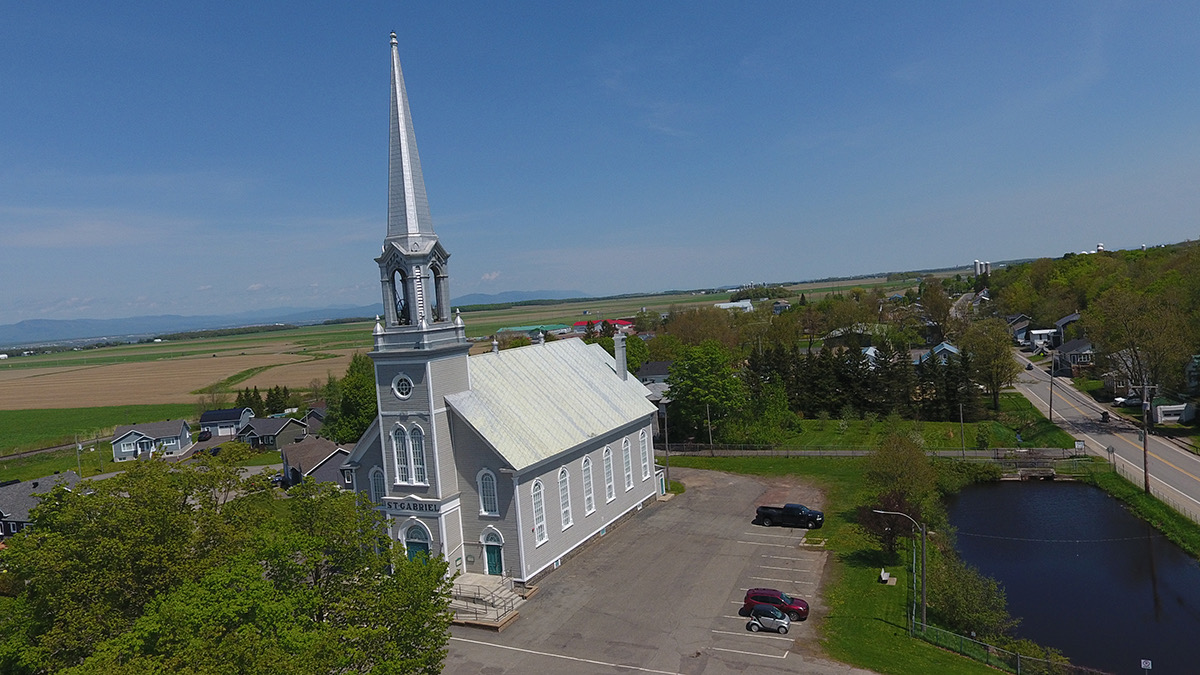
{"x":71,"y":384}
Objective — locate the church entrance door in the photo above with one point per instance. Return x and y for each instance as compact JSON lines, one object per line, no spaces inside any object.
{"x":493,"y":560}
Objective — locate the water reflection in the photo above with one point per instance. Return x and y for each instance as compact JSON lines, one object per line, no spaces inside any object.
{"x":1083,"y":574}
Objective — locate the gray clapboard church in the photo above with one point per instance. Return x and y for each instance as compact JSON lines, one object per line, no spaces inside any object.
{"x":503,"y":462}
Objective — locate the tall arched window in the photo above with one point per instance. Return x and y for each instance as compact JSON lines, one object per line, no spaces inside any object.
{"x":564,"y":497}
{"x":416,"y":541}
{"x":625,"y":457}
{"x":400,"y":455}
{"x":539,"y":514}
{"x":589,"y":493}
{"x":645,"y":446}
{"x":378,"y":488}
{"x":418,"y":456}
{"x":610,"y":492}
{"x":489,"y":505}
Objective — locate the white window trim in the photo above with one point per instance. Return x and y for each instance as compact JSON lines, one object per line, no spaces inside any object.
{"x":376,"y":471}
{"x":564,"y":498}
{"x":495,"y":492}
{"x":412,"y":455}
{"x":589,"y":490}
{"x":645,"y":450}
{"x":541,"y":534}
{"x":409,"y":455}
{"x":610,"y":489}
{"x":627,"y":459}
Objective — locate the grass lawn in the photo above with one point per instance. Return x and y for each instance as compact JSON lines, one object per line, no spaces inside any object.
{"x":866,"y":624}
{"x":33,"y":429}
{"x":46,"y":463}
{"x":1043,"y":434}
{"x":263,"y":459}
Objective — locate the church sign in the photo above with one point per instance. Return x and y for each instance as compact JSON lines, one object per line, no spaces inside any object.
{"x":414,"y":507}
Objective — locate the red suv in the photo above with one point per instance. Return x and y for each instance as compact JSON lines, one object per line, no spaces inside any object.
{"x":795,"y":608}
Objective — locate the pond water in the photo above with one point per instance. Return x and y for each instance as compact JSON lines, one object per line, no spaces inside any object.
{"x":1084,"y":575}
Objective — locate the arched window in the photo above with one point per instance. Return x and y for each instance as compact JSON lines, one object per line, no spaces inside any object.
{"x":625,"y":456}
{"x":645,"y":454}
{"x":489,"y":505}
{"x":610,"y":492}
{"x":418,"y":456}
{"x":589,"y":494}
{"x":539,"y":514}
{"x":400,"y":455}
{"x":416,"y":541}
{"x":564,"y":497}
{"x":378,"y":488}
{"x":400,"y":294}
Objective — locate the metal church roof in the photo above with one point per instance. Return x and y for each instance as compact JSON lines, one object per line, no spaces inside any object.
{"x":532,"y":403}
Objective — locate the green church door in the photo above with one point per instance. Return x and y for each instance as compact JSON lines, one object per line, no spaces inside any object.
{"x":416,"y":542}
{"x":493,"y":560}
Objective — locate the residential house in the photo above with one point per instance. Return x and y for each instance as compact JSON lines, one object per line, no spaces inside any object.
{"x":1042,"y":338}
{"x":170,"y":438}
{"x":17,"y":499}
{"x":317,"y":457}
{"x":1073,"y":357}
{"x":620,"y":325}
{"x":943,"y":352}
{"x":314,"y":419}
{"x":271,"y":433}
{"x":225,"y":422}
{"x":781,"y":306}
{"x":1191,"y":375}
{"x":654,"y":371}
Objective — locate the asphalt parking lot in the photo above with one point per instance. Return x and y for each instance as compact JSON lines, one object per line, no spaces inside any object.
{"x":661,"y":593}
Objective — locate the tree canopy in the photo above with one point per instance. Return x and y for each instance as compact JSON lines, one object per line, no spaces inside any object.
{"x":191,"y":568}
{"x":357,"y":404}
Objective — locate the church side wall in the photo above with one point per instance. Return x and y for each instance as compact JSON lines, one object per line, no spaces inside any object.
{"x":560,"y":542}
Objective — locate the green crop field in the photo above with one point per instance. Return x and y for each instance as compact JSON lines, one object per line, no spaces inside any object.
{"x":32,"y":429}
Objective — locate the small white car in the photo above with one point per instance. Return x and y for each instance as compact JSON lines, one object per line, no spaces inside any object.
{"x":769,"y":618}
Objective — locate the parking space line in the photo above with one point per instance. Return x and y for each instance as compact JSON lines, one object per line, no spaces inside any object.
{"x":784,"y":557}
{"x":572,"y":658}
{"x":763,"y":543}
{"x":784,"y":581}
{"x":738,"y":651}
{"x":756,"y":635}
{"x":785,"y":569}
{"x":777,"y":536}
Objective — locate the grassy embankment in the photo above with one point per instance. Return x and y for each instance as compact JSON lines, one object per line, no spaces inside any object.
{"x":866,"y":622}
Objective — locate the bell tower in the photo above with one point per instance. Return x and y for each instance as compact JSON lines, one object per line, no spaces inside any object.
{"x":407,"y":457}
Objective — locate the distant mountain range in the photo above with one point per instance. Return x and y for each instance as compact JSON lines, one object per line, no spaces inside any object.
{"x":46,"y":331}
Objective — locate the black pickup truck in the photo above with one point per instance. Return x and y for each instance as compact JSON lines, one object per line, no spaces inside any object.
{"x":791,"y":515}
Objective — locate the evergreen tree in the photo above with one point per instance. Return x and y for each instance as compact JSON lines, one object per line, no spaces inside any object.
{"x":357,"y":406}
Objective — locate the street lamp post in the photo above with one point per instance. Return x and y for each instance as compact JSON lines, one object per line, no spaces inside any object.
{"x":923,"y":559}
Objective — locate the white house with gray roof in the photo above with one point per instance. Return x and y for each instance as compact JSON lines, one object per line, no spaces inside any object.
{"x":171,"y":438}
{"x":505,"y":462}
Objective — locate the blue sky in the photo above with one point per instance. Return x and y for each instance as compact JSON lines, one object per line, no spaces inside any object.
{"x":192,"y":158}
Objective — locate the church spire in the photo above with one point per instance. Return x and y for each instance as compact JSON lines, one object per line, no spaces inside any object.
{"x":408,"y":208}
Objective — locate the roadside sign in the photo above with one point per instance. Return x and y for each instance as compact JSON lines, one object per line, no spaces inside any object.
{"x":1146,"y":664}
{"x":1079,"y":445}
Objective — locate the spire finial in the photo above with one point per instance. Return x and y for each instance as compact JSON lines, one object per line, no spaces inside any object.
{"x":394,"y":43}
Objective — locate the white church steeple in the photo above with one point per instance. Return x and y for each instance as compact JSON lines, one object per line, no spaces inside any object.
{"x":413,"y":265}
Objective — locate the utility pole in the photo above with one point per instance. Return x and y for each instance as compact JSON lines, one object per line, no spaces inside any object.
{"x":78,"y":461}
{"x":1051,"y":416}
{"x":1147,"y":410}
{"x":667,"y":445}
{"x":961,"y":432}
{"x":708,"y":416}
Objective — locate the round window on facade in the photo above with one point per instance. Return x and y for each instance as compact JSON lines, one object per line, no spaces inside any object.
{"x":402,"y":386}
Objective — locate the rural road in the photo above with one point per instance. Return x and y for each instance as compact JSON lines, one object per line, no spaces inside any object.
{"x":1174,"y":472}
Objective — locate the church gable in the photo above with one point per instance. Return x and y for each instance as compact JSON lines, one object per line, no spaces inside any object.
{"x":535,"y":402}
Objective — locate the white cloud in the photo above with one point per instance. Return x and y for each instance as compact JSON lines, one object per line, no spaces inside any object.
{"x":256,"y":287}
{"x":491,"y":276}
